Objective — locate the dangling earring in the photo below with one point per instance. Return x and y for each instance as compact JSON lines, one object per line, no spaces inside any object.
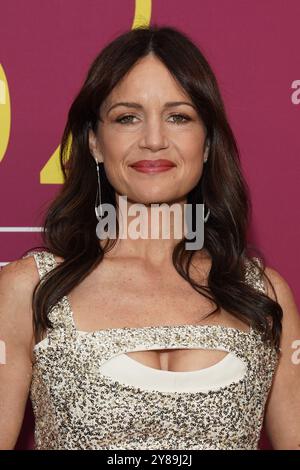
{"x":207,"y":215}
{"x":98,"y":209}
{"x":206,"y":151}
{"x":205,"y":218}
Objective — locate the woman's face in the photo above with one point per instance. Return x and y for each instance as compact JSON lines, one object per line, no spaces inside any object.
{"x":150,"y":131}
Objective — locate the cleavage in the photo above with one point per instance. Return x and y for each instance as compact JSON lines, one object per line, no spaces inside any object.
{"x":178,"y":360}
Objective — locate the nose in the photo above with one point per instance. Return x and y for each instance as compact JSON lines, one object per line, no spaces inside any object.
{"x":154,"y":137}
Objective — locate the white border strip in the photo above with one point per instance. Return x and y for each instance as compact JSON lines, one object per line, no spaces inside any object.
{"x":21,"y":229}
{"x":18,"y":229}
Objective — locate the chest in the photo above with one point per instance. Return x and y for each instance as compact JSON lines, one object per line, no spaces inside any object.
{"x":115,"y":297}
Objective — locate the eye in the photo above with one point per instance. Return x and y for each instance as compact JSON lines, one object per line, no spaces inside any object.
{"x":181,"y":116}
{"x":121,"y":119}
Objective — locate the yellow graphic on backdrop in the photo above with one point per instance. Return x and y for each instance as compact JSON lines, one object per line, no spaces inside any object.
{"x":51,"y":173}
{"x":142,"y":13}
{"x":5,"y":118}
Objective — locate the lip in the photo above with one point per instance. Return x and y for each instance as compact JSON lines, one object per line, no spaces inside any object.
{"x":153,"y":169}
{"x":153,"y":164}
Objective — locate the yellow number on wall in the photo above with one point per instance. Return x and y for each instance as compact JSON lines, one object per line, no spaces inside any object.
{"x":5,"y":113}
{"x":51,"y":173}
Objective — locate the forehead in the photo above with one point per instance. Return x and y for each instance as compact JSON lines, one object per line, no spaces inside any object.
{"x":149,"y":81}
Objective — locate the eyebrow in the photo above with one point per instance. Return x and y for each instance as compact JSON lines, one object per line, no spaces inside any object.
{"x":169,"y":104}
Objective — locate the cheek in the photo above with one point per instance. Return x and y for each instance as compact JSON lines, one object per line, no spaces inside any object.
{"x":193,"y":160}
{"x":113,"y":153}
{"x":190,"y":143}
{"x":112,"y":170}
{"x":195,"y":172}
{"x":113,"y":165}
{"x":115,"y":148}
{"x":193,"y":168}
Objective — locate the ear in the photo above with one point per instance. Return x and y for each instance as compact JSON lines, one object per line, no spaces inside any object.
{"x":94,"y":147}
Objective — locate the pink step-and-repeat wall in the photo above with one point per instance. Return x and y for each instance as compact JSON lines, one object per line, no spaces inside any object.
{"x":253,"y":47}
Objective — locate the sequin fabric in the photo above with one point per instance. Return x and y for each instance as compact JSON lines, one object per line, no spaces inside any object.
{"x":77,"y":407}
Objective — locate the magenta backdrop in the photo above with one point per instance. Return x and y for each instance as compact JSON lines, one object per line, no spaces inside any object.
{"x":253,"y":47}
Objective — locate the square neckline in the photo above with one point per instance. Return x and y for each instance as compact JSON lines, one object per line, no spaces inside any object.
{"x":204,"y":326}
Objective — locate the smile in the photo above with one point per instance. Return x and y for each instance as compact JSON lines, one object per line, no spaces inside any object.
{"x":153,"y":169}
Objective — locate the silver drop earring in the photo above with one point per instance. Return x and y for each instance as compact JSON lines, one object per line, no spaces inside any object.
{"x":98,"y":209}
{"x":205,"y":218}
{"x":207,"y":149}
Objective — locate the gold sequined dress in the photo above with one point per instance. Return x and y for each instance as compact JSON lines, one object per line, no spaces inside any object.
{"x":78,"y":404}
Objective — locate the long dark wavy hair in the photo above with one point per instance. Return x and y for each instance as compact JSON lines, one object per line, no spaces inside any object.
{"x":70,"y":221}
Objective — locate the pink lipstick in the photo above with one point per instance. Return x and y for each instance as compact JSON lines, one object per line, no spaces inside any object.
{"x":153,"y":166}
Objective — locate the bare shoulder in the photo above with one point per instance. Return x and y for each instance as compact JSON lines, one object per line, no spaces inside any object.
{"x":282,"y":292}
{"x":17,"y":282}
{"x":279,"y":284}
{"x":20,"y":274}
{"x":282,"y":410}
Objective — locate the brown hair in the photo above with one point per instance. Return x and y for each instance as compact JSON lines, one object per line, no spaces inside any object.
{"x":70,"y":222}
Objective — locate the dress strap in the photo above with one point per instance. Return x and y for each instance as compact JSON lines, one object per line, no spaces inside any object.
{"x":45,"y":261}
{"x":253,"y":276}
{"x":60,"y":314}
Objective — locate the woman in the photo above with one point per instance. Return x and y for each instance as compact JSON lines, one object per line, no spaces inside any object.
{"x":141,"y":343}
